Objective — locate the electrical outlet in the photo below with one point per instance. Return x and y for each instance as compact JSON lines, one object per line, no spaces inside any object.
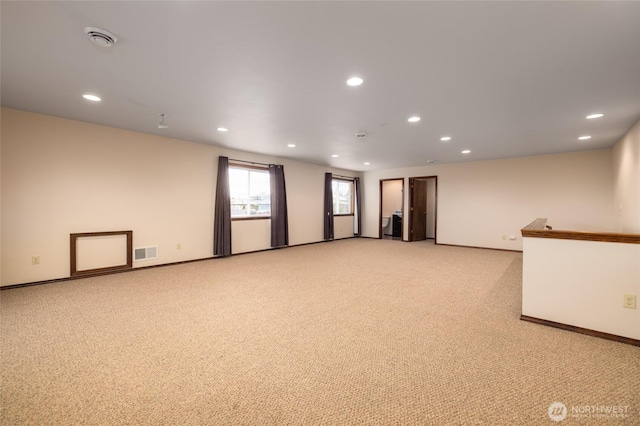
{"x":35,"y":260}
{"x":178,"y":246}
{"x":629,"y":301}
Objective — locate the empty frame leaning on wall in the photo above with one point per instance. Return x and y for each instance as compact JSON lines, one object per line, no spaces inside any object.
{"x":93,"y":253}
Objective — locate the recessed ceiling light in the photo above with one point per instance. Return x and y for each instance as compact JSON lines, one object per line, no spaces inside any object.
{"x":222,"y":129}
{"x":93,"y":98}
{"x":292,"y":145}
{"x":431,"y":161}
{"x":466,"y":151}
{"x":445,"y":138}
{"x":598,"y":115}
{"x":367,"y":164}
{"x":355,"y":81}
{"x":335,"y":155}
{"x":584,"y":138}
{"x":413,"y":119}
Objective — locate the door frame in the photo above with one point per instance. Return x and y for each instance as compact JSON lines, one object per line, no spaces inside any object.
{"x":435,"y":231}
{"x":380,"y":208}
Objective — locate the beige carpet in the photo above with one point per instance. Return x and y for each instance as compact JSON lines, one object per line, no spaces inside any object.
{"x":344,"y":333}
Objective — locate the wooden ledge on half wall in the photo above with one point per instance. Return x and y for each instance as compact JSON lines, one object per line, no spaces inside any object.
{"x":539,"y":229}
{"x":551,"y":275}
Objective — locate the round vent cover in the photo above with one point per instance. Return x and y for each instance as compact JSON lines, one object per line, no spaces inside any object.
{"x":102,"y":38}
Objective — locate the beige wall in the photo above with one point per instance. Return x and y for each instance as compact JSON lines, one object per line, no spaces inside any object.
{"x":343,"y":227}
{"x":582,"y":283}
{"x":391,"y":197}
{"x":479,"y":202}
{"x":61,"y":176}
{"x":626,"y":182}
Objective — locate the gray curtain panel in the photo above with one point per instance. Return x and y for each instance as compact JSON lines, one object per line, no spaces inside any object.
{"x":328,"y":207}
{"x":279,"y":218}
{"x":358,"y":217}
{"x":222,"y":220}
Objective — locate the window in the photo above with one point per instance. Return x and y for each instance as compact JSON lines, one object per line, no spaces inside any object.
{"x":342,"y":196}
{"x":250,"y":192}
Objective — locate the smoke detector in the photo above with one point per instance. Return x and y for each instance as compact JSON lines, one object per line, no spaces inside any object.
{"x":100,"y":37}
{"x":361,"y":136}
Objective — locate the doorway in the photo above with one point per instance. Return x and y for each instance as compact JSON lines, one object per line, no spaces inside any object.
{"x":390,"y":224}
{"x":423,"y":201}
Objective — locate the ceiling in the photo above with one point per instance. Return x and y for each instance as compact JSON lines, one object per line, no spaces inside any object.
{"x":502,"y":79}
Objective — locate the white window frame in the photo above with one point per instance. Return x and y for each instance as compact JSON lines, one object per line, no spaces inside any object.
{"x":336,"y":183}
{"x":252,"y":207}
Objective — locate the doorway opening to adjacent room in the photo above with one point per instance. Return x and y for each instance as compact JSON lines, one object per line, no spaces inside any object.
{"x":391,"y":208}
{"x":423,"y":200}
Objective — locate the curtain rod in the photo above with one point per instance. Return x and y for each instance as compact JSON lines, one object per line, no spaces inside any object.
{"x":249,"y":162}
{"x":345,"y":177}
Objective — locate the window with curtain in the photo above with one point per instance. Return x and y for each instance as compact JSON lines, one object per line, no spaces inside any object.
{"x":222,"y":219}
{"x":342,"y":190}
{"x":250,"y":191}
{"x":279,"y":214}
{"x":327,"y":209}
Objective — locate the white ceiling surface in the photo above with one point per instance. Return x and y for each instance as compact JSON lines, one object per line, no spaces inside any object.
{"x":503,"y":79}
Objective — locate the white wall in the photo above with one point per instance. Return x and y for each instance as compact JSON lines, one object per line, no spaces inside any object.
{"x":342,"y":227}
{"x":250,"y":235}
{"x":61,"y":176}
{"x":582,"y":283}
{"x":101,"y":251}
{"x":479,"y":202}
{"x":391,"y":196}
{"x":626,"y":182}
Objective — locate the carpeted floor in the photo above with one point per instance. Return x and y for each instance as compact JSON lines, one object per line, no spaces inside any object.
{"x":350,"y":332}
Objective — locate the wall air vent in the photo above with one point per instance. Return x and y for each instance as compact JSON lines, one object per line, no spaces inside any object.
{"x":100,"y":37}
{"x":145,"y":253}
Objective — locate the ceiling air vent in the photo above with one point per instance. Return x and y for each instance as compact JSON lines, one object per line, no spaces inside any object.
{"x":102,"y":38}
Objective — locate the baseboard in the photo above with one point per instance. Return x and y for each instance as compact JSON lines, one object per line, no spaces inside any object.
{"x":99,"y":274}
{"x":293,"y":245}
{"x":588,"y":332}
{"x":141,"y":268}
{"x":57,"y":280}
{"x":477,"y":247}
